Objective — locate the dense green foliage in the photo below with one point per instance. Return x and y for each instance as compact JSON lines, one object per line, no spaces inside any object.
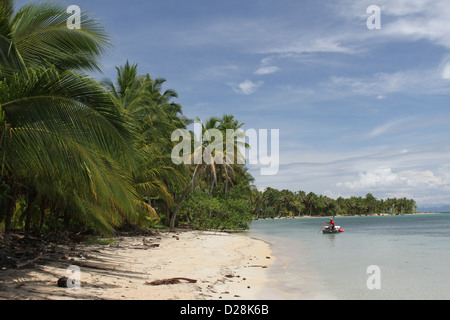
{"x":83,"y":155}
{"x":285,"y":203}
{"x":230,"y":211}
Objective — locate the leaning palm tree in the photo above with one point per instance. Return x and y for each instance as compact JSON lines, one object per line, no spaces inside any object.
{"x":61,"y":127}
{"x":58,"y":125}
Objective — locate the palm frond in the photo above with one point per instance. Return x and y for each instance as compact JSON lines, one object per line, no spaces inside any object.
{"x":39,"y":35}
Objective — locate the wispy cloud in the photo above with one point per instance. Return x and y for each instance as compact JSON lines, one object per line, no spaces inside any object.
{"x":390,"y":126}
{"x":408,"y":20}
{"x":420,"y":19}
{"x":307,"y":44}
{"x":246,"y":87}
{"x":262,"y":35}
{"x":267,"y":70}
{"x":414,"y":81}
{"x":217,"y":72}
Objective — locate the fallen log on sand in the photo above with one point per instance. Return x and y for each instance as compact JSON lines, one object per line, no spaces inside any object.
{"x":169,"y":281}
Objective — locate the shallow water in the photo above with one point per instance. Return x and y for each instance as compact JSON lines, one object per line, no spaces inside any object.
{"x":411,"y":251}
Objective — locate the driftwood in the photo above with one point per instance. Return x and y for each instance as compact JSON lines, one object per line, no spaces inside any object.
{"x":258,"y":266}
{"x":23,"y":264}
{"x":151,"y":245}
{"x":169,"y":281}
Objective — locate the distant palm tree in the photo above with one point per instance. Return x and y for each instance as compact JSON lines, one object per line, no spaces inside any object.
{"x":228,"y":121}
{"x":256,"y":202}
{"x":311,"y":203}
{"x":299,"y":200}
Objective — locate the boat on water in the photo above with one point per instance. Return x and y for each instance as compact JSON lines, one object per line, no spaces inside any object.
{"x":328,"y":230}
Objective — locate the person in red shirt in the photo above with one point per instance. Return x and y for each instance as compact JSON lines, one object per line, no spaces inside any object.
{"x":331,"y":225}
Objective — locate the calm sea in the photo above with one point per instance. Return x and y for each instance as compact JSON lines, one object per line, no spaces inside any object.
{"x":411,"y":252}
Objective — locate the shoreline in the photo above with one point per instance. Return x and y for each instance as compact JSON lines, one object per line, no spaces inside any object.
{"x":224,"y":266}
{"x":356,"y":215}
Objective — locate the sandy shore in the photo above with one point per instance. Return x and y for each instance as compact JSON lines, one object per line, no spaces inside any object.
{"x":225,"y":266}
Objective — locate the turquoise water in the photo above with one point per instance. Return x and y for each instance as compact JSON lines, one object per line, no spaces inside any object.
{"x":411,"y":251}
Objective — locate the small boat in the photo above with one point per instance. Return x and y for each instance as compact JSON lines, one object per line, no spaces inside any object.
{"x":327,"y":230}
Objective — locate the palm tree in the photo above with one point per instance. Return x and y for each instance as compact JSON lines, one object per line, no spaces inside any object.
{"x":310,"y":203}
{"x":228,"y":121}
{"x":299,"y":199}
{"x":58,"y":125}
{"x":197,"y":168}
{"x":37,"y":35}
{"x":217,"y":164}
{"x":342,"y":205}
{"x":256,"y":201}
{"x":234,"y":141}
{"x":153,"y":117}
{"x":371,"y":203}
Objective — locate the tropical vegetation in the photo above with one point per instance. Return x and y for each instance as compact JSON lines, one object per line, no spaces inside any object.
{"x":272,"y":203}
{"x":88,"y":155}
{"x":93,"y":156}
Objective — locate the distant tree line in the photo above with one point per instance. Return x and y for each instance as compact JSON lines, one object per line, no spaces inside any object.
{"x":285,"y":203}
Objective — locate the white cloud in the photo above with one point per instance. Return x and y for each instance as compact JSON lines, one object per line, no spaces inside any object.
{"x":446,"y":72}
{"x":445,"y":68}
{"x":389,"y":7}
{"x":246,"y":87}
{"x":407,"y":20}
{"x":406,"y":7}
{"x":308,"y":44}
{"x":417,"y":178}
{"x":217,"y":72}
{"x":386,"y":179}
{"x":267,"y":70}
{"x":381,"y":84}
{"x":389,"y":126}
{"x":263,"y":35}
{"x":381,"y":177}
{"x":430,"y":23}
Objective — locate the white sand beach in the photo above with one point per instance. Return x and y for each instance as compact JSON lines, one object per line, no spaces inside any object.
{"x":223,"y":266}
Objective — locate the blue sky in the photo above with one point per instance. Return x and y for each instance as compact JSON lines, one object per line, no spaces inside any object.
{"x":358,"y":110}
